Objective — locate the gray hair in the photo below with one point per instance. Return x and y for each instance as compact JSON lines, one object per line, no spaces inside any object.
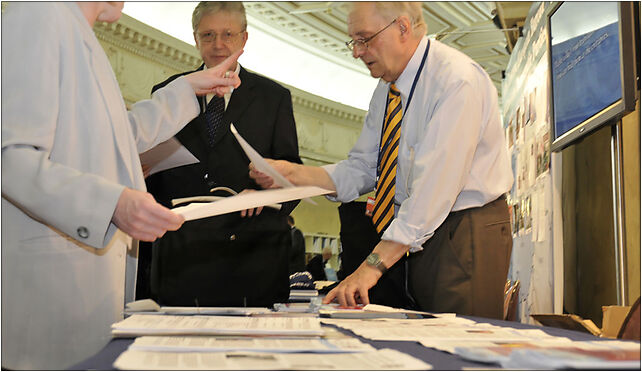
{"x":410,"y":9}
{"x":207,"y":7}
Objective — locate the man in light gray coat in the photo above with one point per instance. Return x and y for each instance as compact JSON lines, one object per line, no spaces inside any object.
{"x":73,"y":194}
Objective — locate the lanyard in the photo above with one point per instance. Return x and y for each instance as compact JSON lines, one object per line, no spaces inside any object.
{"x":412,"y":91}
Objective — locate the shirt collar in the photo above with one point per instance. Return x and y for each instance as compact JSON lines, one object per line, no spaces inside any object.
{"x":405,"y":80}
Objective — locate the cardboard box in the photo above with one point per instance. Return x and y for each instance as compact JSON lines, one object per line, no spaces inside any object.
{"x":612,"y":319}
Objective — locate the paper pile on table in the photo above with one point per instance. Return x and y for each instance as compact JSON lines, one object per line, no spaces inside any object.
{"x":384,"y":359}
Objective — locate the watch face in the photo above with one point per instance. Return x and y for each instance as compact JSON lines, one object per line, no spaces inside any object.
{"x":373,"y":259}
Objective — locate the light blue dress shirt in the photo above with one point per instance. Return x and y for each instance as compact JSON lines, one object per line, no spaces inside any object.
{"x":452,"y":152}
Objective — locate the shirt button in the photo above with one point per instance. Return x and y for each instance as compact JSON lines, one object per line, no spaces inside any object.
{"x":206,"y":176}
{"x":232,"y":237}
{"x":83,"y":232}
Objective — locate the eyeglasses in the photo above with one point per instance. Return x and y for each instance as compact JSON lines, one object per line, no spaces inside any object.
{"x":211,"y":36}
{"x":359,"y":43}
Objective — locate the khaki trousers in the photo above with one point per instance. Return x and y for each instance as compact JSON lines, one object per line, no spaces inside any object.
{"x":463,"y":267}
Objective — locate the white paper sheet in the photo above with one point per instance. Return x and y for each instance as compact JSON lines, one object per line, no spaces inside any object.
{"x":143,"y":325}
{"x":149,"y":306}
{"x":248,"y":200}
{"x":262,"y":165}
{"x":267,"y":345}
{"x":167,"y":155}
{"x":259,"y":162}
{"x":384,"y":359}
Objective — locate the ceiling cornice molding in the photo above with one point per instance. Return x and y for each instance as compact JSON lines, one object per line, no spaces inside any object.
{"x":148,"y":42}
{"x":137,"y":38}
{"x":347,"y":115}
{"x":306,"y":32}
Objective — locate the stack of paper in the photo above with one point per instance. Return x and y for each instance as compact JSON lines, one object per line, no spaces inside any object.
{"x":262,"y":344}
{"x":557,"y":355}
{"x":261,"y":198}
{"x":148,"y":306}
{"x":142,"y":325}
{"x":384,"y":359}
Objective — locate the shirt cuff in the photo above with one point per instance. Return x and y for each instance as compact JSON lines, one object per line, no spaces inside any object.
{"x":345,"y":193}
{"x":406,"y":234}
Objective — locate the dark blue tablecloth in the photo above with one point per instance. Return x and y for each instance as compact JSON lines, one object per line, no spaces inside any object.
{"x":438,"y":359}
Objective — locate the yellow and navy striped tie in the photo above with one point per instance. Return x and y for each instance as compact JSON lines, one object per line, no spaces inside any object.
{"x":384,"y":209}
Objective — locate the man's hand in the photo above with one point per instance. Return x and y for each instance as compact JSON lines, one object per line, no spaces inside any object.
{"x":218,"y":80}
{"x":354,"y":288}
{"x":141,"y":217}
{"x":253,"y":211}
{"x":285,"y":168}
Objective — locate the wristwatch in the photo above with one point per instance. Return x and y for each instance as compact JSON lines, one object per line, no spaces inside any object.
{"x":374,"y":260}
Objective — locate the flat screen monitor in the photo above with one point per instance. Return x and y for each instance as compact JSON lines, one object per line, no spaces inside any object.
{"x":592,"y":67}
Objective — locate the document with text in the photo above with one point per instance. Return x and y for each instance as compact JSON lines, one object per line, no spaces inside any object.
{"x":384,"y":359}
{"x":141,"y":325}
{"x":271,"y":345}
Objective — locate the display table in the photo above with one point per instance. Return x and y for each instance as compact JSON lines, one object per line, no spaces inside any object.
{"x":438,"y":359}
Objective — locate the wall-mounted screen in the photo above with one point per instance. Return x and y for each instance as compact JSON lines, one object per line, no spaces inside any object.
{"x":592,"y":67}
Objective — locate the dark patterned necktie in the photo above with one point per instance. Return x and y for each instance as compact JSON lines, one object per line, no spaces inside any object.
{"x":384,"y":209}
{"x":214,"y":118}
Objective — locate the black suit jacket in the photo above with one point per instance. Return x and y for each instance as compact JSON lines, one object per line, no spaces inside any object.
{"x":228,"y":260}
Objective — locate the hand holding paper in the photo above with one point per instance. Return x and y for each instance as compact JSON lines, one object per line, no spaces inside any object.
{"x":259,"y":163}
{"x":256,"y":199}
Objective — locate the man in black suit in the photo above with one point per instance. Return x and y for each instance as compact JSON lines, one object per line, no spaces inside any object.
{"x":233,"y":259}
{"x":297,"y":252}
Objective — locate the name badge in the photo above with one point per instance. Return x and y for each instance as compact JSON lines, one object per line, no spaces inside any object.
{"x":370,"y":204}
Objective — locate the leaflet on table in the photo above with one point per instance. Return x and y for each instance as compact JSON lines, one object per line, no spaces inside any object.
{"x":557,"y":355}
{"x":268,"y":345}
{"x":262,"y":165}
{"x":429,"y":330}
{"x":356,"y":325}
{"x":166,"y":155}
{"x":149,"y":306}
{"x":384,"y":359}
{"x":142,"y":325}
{"x":371,"y":311}
{"x":249,"y":200}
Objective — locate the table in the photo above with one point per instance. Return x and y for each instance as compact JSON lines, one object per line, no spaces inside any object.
{"x":440,"y":360}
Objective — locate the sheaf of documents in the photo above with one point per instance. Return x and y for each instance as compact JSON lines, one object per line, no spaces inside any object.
{"x":263,"y":165}
{"x":166,"y":155}
{"x":149,"y":306}
{"x":260,"y":198}
{"x":147,"y":325}
{"x":262,"y":344}
{"x":248,"y":200}
{"x":384,"y":359}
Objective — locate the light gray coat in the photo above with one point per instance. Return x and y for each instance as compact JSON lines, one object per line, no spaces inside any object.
{"x":69,"y":147}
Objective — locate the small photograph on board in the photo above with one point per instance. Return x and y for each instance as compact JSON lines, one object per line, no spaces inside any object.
{"x":526,"y":111}
{"x":518,"y":124}
{"x":533,"y":105}
{"x":515,"y":217}
{"x":546,"y":157}
{"x":526,"y":212}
